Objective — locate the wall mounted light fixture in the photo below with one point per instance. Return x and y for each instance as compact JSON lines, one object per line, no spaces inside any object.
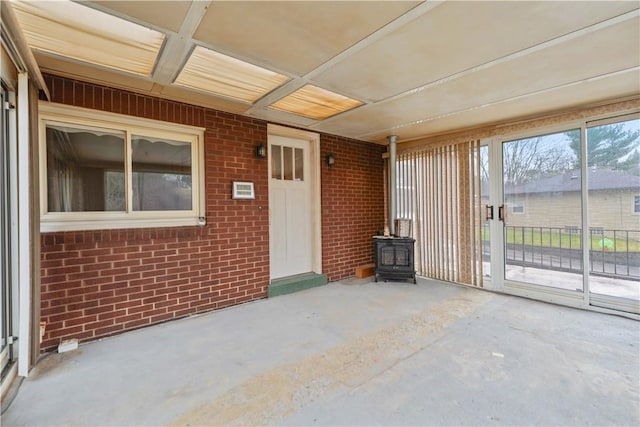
{"x":330,"y":160}
{"x":261,"y":151}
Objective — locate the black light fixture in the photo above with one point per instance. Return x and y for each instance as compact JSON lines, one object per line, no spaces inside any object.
{"x":261,"y":151}
{"x":330,"y":160}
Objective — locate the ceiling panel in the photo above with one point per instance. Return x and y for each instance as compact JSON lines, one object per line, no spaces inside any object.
{"x":219,"y":74}
{"x":72,"y":30}
{"x":456,"y":36}
{"x":315,"y":103}
{"x":606,"y":51}
{"x":87,"y":72}
{"x":294,"y":36}
{"x":164,"y":14}
{"x":588,"y":92}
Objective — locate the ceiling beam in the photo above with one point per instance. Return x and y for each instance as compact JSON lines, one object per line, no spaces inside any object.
{"x":177,"y":47}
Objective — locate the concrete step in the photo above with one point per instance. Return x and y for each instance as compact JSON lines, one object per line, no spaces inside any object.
{"x":287,"y":285}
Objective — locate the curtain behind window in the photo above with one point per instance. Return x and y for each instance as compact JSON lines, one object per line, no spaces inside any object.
{"x":438,"y":189}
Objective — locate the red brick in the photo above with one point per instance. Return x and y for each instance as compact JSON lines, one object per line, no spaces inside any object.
{"x":128,"y":318}
{"x":112,"y":314}
{"x":155,"y":312}
{"x":137,"y":323}
{"x":154,"y":299}
{"x":162,"y":317}
{"x":68,"y":315}
{"x":109,"y":330}
{"x":127,"y":290}
{"x":80,"y":320}
{"x":98,"y":310}
{"x":140,"y":295}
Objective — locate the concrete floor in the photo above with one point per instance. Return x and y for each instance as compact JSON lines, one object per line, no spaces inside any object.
{"x":351,"y":353}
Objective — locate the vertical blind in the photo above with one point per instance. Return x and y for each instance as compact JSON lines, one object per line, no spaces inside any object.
{"x":439,"y":190}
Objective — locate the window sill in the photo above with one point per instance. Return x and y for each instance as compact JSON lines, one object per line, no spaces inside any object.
{"x":48,"y":226}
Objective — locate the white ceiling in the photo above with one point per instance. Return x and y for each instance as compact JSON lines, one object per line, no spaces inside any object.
{"x":419,"y":68}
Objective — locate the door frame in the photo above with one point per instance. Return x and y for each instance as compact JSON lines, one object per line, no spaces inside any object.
{"x":313,"y":139}
{"x":523,"y":289}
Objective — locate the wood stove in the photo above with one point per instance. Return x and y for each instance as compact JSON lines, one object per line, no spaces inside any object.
{"x":394,"y":258}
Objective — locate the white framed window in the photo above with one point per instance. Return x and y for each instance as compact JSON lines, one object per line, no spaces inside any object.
{"x":636,"y":204}
{"x":104,"y":171}
{"x":517,"y":208}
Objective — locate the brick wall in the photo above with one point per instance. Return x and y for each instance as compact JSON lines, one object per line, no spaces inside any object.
{"x":352,"y":204}
{"x":98,"y":283}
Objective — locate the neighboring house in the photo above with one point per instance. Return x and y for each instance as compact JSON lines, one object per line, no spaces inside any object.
{"x":554,"y":201}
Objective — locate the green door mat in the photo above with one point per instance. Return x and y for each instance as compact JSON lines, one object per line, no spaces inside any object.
{"x":296,"y":283}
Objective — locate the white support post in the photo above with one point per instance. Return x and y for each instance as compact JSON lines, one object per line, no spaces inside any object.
{"x":24,"y":230}
{"x":393,"y":191}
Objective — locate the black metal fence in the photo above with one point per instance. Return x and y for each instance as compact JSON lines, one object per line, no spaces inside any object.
{"x":612,"y":253}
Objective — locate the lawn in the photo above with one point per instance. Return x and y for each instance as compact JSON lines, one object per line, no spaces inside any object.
{"x":559,"y":238}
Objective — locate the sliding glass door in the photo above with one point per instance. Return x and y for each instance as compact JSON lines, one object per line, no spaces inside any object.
{"x":562,"y":214}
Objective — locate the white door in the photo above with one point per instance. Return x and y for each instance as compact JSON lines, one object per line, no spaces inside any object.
{"x":290,"y":207}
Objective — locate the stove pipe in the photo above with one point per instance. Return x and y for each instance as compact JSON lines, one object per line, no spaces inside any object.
{"x":392,"y":183}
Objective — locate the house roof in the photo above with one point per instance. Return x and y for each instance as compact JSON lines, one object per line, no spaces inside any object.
{"x":599,"y":180}
{"x":359,"y":69}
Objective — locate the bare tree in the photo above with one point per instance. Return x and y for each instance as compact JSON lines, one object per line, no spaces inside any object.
{"x":528,"y":159}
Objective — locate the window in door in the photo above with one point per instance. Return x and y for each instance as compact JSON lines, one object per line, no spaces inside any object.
{"x":287,"y":163}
